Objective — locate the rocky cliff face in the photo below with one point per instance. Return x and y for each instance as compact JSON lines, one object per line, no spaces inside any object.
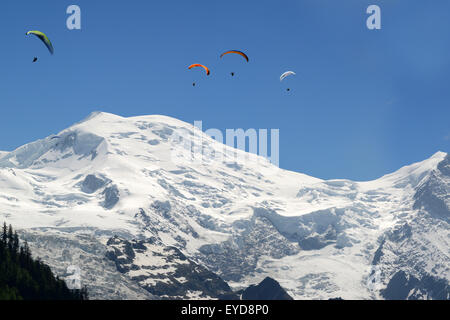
{"x":165,"y":271}
{"x":413,"y":256}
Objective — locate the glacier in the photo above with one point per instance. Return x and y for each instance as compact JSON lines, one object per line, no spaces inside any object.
{"x":107,"y":195}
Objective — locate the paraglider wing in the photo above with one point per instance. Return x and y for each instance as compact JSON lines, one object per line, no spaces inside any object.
{"x":200,"y":65}
{"x":43,"y":38}
{"x":236,"y":52}
{"x":286,"y":74}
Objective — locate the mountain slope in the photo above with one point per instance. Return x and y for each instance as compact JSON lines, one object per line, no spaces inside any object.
{"x":230,"y":212}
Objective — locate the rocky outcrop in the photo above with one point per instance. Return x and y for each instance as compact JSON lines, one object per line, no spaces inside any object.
{"x":165,"y":271}
{"x":268,"y":289}
{"x":404,"y":286}
{"x":92,"y":183}
{"x":111,"y":197}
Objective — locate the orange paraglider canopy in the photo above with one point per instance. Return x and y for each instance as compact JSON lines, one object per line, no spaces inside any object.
{"x":236,"y":52}
{"x":200,"y":65}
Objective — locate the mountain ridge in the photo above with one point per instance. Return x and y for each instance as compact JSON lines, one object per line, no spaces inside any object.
{"x":112,"y":117}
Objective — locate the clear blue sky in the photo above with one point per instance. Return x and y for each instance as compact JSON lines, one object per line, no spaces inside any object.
{"x":363,"y":103}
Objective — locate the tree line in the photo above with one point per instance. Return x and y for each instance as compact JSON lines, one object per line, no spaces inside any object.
{"x":25,"y":278}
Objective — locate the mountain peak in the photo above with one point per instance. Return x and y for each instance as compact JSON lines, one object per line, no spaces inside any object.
{"x":268,"y":289}
{"x":412,"y":174}
{"x":95,"y":115}
{"x":439,"y":155}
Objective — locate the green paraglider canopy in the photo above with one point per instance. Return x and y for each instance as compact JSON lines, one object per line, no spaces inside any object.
{"x":43,"y":38}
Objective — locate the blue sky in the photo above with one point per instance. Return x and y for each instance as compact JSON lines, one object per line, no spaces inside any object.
{"x":363,"y":103}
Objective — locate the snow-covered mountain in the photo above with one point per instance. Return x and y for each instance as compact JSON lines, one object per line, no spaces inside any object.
{"x":111,"y":196}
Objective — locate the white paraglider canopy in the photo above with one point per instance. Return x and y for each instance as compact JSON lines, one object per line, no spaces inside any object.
{"x":286,"y":74}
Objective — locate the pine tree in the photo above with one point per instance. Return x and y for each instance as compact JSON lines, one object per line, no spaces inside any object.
{"x":10,"y":237}
{"x":15,"y":243}
{"x":4,"y":233}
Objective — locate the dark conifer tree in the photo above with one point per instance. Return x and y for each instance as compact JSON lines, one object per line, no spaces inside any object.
{"x":10,"y":237}
{"x":4,"y":233}
{"x":15,"y":243}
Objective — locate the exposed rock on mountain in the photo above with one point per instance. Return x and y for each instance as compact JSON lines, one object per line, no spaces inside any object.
{"x":268,"y":289}
{"x":165,"y":271}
